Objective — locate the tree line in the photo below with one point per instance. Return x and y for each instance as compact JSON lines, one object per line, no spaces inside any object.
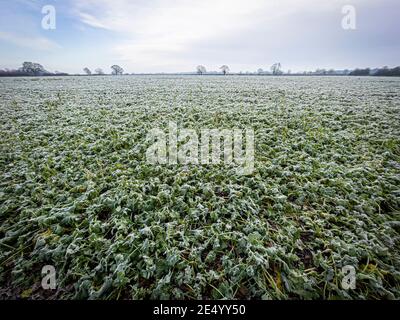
{"x":115,"y":70}
{"x":29,"y":69}
{"x":275,"y":69}
{"x":36,"y":69}
{"x":382,"y":72}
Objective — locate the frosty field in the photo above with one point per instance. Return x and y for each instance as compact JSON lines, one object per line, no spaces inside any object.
{"x":77,"y":193}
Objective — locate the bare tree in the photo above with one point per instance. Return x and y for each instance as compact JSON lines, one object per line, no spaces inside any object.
{"x":201,"y":69}
{"x":276,"y":68}
{"x":99,"y":71}
{"x":224,"y":69}
{"x":260,"y":71}
{"x":117,"y":70}
{"x":87,"y":71}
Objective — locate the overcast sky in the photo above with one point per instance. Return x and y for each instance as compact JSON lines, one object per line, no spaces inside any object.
{"x":178,"y":35}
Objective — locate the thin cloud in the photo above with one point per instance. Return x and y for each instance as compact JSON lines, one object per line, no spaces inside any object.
{"x":31,"y":42}
{"x":156,"y":32}
{"x":92,"y":21}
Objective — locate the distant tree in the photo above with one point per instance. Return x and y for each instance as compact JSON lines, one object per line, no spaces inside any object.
{"x":38,"y":69}
{"x":331,"y":71}
{"x":260,"y":71}
{"x":87,"y":71}
{"x":224,"y":69}
{"x":27,"y":67}
{"x":387,"y":72}
{"x":33,"y":68}
{"x":276,"y":68}
{"x":320,"y":71}
{"x":116,"y":70}
{"x":395,"y":72}
{"x":99,"y":71}
{"x":201,"y":69}
{"x":360,"y":72}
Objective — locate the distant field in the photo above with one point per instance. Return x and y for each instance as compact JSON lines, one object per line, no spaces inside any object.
{"x":76,"y":191}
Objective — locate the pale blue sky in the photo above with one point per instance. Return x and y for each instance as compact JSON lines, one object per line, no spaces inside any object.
{"x":177,"y":35}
